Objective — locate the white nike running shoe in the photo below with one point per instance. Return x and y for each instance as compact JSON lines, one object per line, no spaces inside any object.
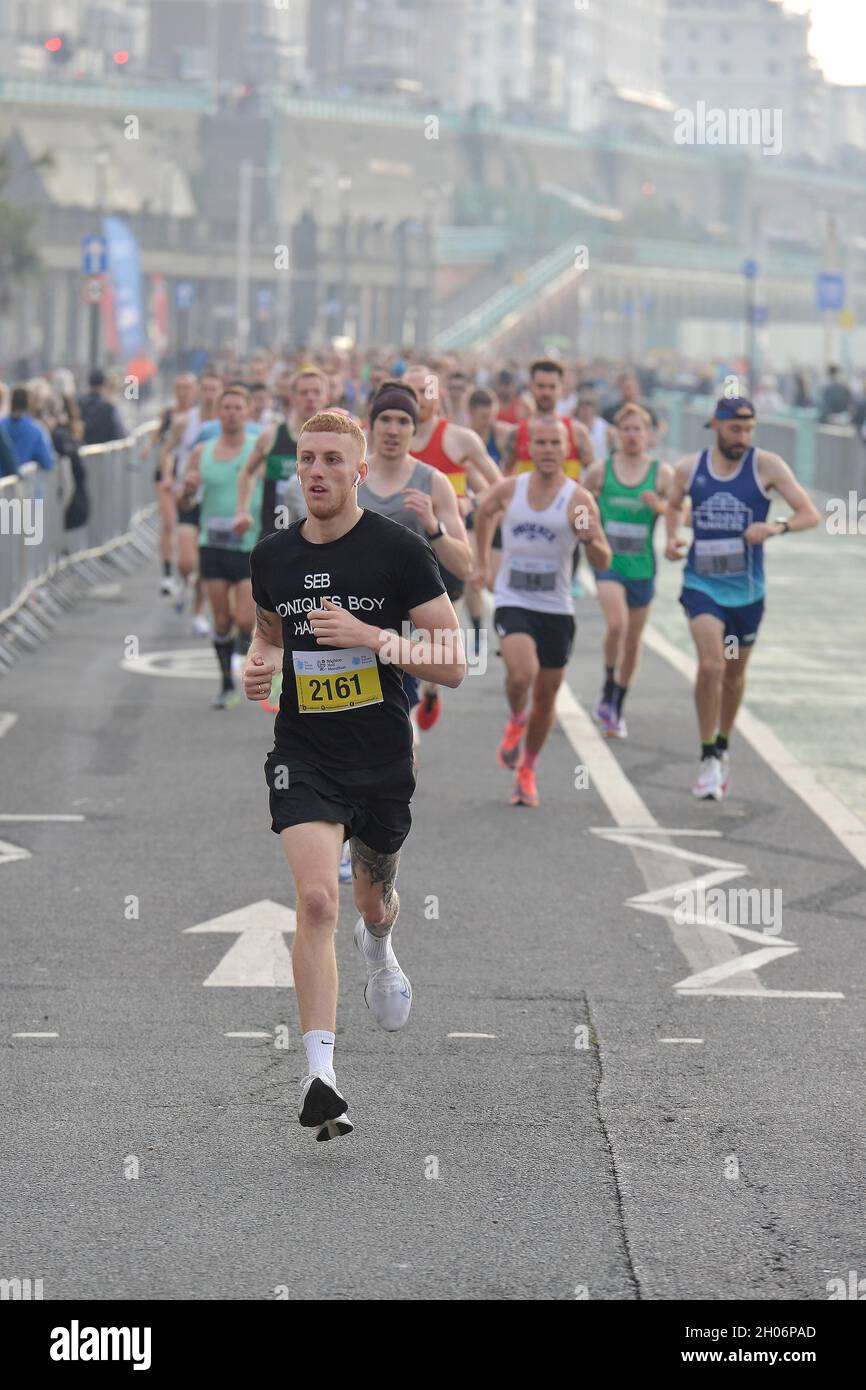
{"x":725,"y":777}
{"x":388,"y":993}
{"x":200,"y":625}
{"x":323,"y":1108}
{"x":708,"y":787}
{"x":167,"y":587}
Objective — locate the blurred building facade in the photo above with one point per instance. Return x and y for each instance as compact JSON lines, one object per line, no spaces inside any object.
{"x":748,"y":54}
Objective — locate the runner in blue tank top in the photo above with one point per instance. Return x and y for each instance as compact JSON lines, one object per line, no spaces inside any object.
{"x":729,"y":486}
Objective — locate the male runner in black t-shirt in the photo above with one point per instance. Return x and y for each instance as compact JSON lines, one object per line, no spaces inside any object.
{"x":332,"y":592}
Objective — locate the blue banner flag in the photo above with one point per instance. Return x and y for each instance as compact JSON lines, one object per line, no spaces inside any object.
{"x":123,"y":267}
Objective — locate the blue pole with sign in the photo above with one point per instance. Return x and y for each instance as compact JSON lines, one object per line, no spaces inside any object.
{"x":750,"y":275}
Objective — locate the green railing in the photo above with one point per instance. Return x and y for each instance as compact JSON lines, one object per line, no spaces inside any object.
{"x":167,"y":96}
{"x":509,"y":300}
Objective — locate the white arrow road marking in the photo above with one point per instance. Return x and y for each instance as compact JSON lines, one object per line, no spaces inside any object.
{"x":259,"y":957}
{"x":186,"y":663}
{"x":706,"y":943}
{"x":6,"y":722}
{"x":8,"y":853}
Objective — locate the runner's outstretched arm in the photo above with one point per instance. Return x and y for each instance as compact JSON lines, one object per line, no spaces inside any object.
{"x":252,"y":468}
{"x":676,"y":547}
{"x":586,"y":520}
{"x":492,"y":506}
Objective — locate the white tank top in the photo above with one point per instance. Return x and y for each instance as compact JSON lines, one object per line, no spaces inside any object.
{"x":537,"y":551}
{"x":188,"y":438}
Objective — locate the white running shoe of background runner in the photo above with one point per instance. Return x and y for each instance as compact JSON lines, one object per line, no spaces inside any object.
{"x":708,"y":787}
{"x":388,"y":993}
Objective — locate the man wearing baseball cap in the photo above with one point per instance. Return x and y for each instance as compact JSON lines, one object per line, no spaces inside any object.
{"x":730,"y":486}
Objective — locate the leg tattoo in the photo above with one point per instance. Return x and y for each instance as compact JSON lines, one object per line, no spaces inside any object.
{"x":371,"y":864}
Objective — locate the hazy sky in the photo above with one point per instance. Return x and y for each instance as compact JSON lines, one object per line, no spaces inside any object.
{"x":838,"y":38}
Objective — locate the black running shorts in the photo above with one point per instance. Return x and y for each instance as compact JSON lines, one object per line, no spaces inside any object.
{"x":190,"y":517}
{"x":371,"y":803}
{"x":214,"y":562}
{"x":552,"y":633}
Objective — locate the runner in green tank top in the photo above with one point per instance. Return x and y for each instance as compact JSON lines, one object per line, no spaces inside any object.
{"x":630,"y":488}
{"x":224,"y":546}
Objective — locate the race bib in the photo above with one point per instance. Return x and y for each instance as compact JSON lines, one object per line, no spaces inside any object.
{"x":532,"y":576}
{"x":330,"y":681}
{"x":220,"y":532}
{"x":726,"y":556}
{"x":626,"y":537}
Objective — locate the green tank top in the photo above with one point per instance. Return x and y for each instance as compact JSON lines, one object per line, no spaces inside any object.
{"x":219,"y":498}
{"x":628,"y":523}
{"x":282,"y":461}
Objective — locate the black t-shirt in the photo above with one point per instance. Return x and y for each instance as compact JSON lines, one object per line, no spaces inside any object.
{"x":355,"y":710}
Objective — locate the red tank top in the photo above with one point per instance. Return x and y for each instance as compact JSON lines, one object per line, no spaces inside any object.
{"x":509,"y":414}
{"x":572,"y":464}
{"x":434,"y":454}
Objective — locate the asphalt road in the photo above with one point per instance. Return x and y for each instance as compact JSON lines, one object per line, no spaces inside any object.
{"x":577,"y":1152}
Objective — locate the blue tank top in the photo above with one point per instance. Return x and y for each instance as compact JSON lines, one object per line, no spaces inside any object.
{"x":493,"y":448}
{"x":720,"y":563}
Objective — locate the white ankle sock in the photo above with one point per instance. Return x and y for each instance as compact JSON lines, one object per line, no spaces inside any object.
{"x":378,"y":949}
{"x":319,"y":1045}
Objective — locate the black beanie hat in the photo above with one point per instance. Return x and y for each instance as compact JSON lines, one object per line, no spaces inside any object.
{"x":392,"y":396}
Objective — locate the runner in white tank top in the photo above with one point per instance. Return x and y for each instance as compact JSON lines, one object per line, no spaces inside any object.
{"x":544,"y":517}
{"x":537,"y":551}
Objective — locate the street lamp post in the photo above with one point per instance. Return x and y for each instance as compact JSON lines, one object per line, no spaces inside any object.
{"x":246,"y":174}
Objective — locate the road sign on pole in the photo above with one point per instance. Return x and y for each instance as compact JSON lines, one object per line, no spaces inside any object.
{"x":92,"y":289}
{"x":94,"y":256}
{"x":750,"y":269}
{"x":830,"y":292}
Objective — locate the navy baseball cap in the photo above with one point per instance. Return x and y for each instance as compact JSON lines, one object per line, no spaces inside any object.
{"x":732,"y":408}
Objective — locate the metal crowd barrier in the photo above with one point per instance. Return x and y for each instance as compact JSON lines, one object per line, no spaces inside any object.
{"x":34,"y":548}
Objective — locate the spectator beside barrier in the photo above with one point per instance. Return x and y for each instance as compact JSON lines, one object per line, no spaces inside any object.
{"x":100,"y":416}
{"x":837,"y":399}
{"x":30,"y":443}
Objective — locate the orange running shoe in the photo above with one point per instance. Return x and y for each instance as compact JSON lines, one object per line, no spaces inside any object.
{"x":271,"y":702}
{"x":428,"y":711}
{"x":525,"y":791}
{"x":509,"y":749}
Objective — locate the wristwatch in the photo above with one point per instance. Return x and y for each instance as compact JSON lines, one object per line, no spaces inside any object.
{"x":437,"y":534}
{"x":785,"y":527}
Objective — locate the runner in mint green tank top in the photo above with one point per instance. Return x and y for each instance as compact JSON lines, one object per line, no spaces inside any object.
{"x":224,"y":553}
{"x":630,"y":488}
{"x":219,"y":483}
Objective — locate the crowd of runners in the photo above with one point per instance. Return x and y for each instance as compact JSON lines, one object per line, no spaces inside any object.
{"x":344,"y":541}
